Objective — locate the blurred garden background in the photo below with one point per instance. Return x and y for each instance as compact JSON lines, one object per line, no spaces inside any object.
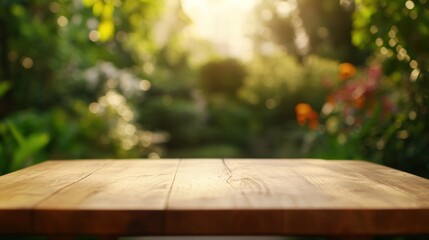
{"x":333,"y":79}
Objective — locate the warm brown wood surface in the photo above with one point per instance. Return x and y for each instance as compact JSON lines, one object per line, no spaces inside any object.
{"x":213,"y":197}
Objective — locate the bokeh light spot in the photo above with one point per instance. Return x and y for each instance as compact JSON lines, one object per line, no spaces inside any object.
{"x":27,"y":62}
{"x":121,"y":36}
{"x":332,"y":124}
{"x":270,"y":103}
{"x":409,"y":4}
{"x":392,"y":42}
{"x":92,"y":23}
{"x":62,"y":21}
{"x":54,"y":7}
{"x":412,"y":115}
{"x":392,"y":33}
{"x":380,"y":144}
{"x":414,"y":74}
{"x":383,"y":51}
{"x":327,"y":108}
{"x":93,"y":36}
{"x":266,"y":15}
{"x":413,"y":64}
{"x":129,"y":129}
{"x":379,"y":42}
{"x":144,"y":85}
{"x":373,"y":29}
{"x":284,"y":8}
{"x":403,"y":134}
{"x":94,"y":108}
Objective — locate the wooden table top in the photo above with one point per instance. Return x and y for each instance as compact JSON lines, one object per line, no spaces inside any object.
{"x":213,"y":196}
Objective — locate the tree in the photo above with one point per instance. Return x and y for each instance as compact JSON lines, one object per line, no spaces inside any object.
{"x":311,"y":27}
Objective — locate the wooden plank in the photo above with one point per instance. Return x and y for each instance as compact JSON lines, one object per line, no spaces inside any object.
{"x":125,"y":197}
{"x":277,"y":184}
{"x":332,"y":184}
{"x":249,"y":184}
{"x":20,"y":191}
{"x":202,"y":184}
{"x":412,"y":190}
{"x":310,"y":197}
{"x":213,"y":197}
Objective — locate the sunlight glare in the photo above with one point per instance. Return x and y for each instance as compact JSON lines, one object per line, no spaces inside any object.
{"x":285,"y":8}
{"x":224,"y":23}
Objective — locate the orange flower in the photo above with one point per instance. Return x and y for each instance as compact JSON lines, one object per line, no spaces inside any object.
{"x":331,"y":99}
{"x":347,"y":70}
{"x":359,"y":102}
{"x":305,"y":115}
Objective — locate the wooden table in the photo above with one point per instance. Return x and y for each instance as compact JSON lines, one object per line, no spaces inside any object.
{"x":213,"y":197}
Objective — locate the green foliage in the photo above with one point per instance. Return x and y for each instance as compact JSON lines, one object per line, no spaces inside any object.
{"x":278,"y":82}
{"x":18,"y":150}
{"x":179,"y":117}
{"x":385,"y":28}
{"x":223,"y":76}
{"x":208,"y":151}
{"x":4,"y":87}
{"x":105,"y":82}
{"x":46,"y":104}
{"x":108,"y":90}
{"x":309,"y":27}
{"x":104,"y":10}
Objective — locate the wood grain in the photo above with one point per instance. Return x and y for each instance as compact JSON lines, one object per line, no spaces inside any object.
{"x":22,"y":190}
{"x":329,"y":184}
{"x":202,"y":184}
{"x":27,"y":187}
{"x":213,"y":197}
{"x":297,"y":184}
{"x":413,"y":190}
{"x":126,"y":196}
{"x":124,"y":184}
{"x":304,"y":197}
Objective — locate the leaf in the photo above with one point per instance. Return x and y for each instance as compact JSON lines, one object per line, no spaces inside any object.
{"x":4,"y":87}
{"x":97,"y":8}
{"x":108,"y":11}
{"x":15,"y":133}
{"x":88,"y":3}
{"x":3,"y":161}
{"x":106,"y":29}
{"x":33,"y":144}
{"x":18,"y":10}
